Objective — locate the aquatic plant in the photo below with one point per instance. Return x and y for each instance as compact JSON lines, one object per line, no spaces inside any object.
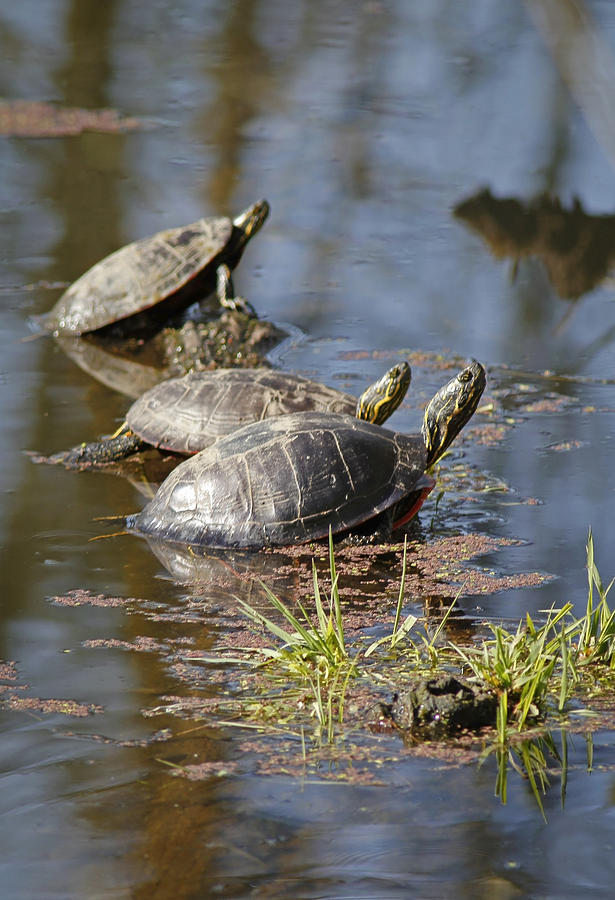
{"x":519,"y":666}
{"x":312,"y":653}
{"x":596,"y":640}
{"x":533,"y":670}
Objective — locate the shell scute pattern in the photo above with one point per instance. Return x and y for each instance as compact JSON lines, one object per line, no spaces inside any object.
{"x":189,"y":413}
{"x":138,"y":276}
{"x":270,"y":482}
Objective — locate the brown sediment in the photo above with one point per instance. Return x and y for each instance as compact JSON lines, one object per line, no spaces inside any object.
{"x":161,"y":736}
{"x":30,"y":118}
{"x":437,"y":567}
{"x":83,"y":597}
{"x":8,"y":672}
{"x":564,"y":446}
{"x":553,"y":403}
{"x":204,"y":770}
{"x":442,"y":361}
{"x":10,"y":699}
{"x":488,"y":435}
{"x":140,"y":644}
{"x":65,"y":707}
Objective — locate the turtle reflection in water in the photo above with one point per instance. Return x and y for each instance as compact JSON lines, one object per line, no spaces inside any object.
{"x":291,"y":479}
{"x":185,"y":415}
{"x":236,"y":338}
{"x":171,"y":269}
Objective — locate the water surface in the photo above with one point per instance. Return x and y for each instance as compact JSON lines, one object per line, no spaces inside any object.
{"x":365,"y":125}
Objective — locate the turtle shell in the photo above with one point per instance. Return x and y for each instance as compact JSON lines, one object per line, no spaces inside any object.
{"x":285,"y":481}
{"x":170,"y":265}
{"x":187,"y":414}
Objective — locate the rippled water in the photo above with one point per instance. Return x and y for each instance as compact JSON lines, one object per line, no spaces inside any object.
{"x":366,"y":125}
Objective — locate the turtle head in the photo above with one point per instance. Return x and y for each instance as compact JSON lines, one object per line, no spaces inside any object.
{"x":382,"y":398}
{"x":251,"y":219}
{"x":451,"y":409}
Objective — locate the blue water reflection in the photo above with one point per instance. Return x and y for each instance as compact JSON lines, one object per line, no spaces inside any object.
{"x":365,"y":125}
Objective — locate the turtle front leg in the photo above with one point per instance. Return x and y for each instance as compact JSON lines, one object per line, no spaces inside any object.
{"x":226,"y":293}
{"x":379,"y":529}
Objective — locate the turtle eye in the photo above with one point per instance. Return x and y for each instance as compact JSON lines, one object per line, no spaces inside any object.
{"x":465,"y":376}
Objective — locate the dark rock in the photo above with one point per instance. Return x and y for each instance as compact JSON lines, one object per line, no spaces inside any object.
{"x":440,"y":706}
{"x":233,"y":339}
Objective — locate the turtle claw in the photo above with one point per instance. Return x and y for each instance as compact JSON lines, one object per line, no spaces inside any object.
{"x":240,"y":304}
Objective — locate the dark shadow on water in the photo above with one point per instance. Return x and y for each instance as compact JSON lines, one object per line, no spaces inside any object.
{"x":576,"y":248}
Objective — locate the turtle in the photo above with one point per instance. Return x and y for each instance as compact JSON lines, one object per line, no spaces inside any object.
{"x":231,"y":339}
{"x":187,"y":414}
{"x":175,"y":267}
{"x":296,"y":478}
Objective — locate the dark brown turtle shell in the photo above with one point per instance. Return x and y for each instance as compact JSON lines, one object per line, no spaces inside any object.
{"x":177,"y":266}
{"x":285,"y":480}
{"x":187,"y":414}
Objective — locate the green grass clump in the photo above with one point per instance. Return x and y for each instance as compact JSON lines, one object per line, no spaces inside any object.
{"x":596,"y":639}
{"x":532,"y":669}
{"x":519,"y":666}
{"x":532,"y":666}
{"x":312,"y":653}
